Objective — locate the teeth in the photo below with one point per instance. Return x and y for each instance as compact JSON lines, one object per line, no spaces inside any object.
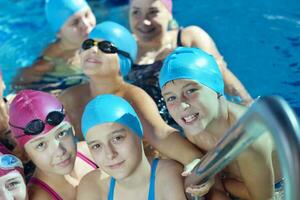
{"x":190,"y":118}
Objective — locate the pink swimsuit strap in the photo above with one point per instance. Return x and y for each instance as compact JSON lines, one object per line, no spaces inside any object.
{"x":87,"y":160}
{"x":45,"y":187}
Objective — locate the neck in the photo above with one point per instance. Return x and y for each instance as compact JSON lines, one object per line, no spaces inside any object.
{"x":109,"y":85}
{"x":140,"y":178}
{"x":51,"y":179}
{"x":67,"y":46}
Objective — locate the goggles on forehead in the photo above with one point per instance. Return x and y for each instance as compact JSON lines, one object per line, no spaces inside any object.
{"x":37,"y":126}
{"x":9,"y":161}
{"x":104,"y":46}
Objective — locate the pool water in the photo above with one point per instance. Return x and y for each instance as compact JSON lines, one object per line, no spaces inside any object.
{"x":260,"y":40}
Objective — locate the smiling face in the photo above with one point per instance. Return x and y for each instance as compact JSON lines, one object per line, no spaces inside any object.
{"x":95,"y":62}
{"x":55,"y":151}
{"x":149,"y":19}
{"x":77,"y":27}
{"x":192,"y":105}
{"x":115,"y":149}
{"x":12,"y":186}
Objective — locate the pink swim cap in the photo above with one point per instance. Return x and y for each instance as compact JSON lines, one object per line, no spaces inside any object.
{"x":167,"y":3}
{"x":30,"y":105}
{"x":9,"y":163}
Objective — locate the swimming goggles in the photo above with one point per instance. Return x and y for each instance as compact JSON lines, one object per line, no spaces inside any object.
{"x":104,"y":46}
{"x":37,"y":126}
{"x":9,"y":161}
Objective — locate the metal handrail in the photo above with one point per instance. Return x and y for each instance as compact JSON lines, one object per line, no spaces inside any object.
{"x":274,"y":114}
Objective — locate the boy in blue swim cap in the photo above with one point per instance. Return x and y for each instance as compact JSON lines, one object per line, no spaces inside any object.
{"x":102,"y":61}
{"x":70,"y":21}
{"x":193,"y":89}
{"x":114,"y":137}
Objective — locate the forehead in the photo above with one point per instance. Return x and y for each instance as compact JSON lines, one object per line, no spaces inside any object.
{"x":179,"y":84}
{"x":10,"y":175}
{"x":103,"y":131}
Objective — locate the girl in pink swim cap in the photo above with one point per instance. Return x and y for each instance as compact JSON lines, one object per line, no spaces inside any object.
{"x":12,"y":183}
{"x":40,"y":126}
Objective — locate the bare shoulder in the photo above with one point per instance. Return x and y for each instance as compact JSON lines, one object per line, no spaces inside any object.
{"x":91,"y":186}
{"x":52,"y":50}
{"x":168,"y":167}
{"x":169,"y":183}
{"x":75,"y":92}
{"x":36,"y":193}
{"x":137,"y":97}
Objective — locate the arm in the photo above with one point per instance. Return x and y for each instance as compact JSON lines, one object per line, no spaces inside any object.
{"x":256,"y":169}
{"x":160,"y":135}
{"x":194,"y":36}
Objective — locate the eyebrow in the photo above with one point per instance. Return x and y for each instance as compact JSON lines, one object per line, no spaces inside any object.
{"x":189,"y":84}
{"x":112,"y":133}
{"x":36,"y":140}
{"x":166,"y":93}
{"x":12,"y":179}
{"x":136,"y":8}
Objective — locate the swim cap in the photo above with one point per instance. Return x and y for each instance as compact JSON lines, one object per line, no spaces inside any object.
{"x":194,"y":64}
{"x":29,"y":105}
{"x":110,"y":108}
{"x":59,"y":11}
{"x":121,"y":38}
{"x":9,"y":162}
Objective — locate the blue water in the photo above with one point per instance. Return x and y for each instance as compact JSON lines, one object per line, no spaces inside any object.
{"x":260,"y":40}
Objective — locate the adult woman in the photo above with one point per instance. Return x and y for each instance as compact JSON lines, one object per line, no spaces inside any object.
{"x":114,"y":136}
{"x":105,"y":57}
{"x":151,"y":22}
{"x":58,"y":66}
{"x":39,"y":124}
{"x":12,"y":183}
{"x":193,"y":89}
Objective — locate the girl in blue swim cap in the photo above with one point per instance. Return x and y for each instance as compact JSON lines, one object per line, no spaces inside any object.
{"x":103,"y":57}
{"x":58,"y":67}
{"x":193,"y":89}
{"x":114,"y":136}
{"x":152,"y":23}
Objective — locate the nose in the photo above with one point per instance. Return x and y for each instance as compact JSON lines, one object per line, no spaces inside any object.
{"x":110,"y":152}
{"x":146,"y":22}
{"x":5,"y":194}
{"x":184,"y":105}
{"x":59,"y":149}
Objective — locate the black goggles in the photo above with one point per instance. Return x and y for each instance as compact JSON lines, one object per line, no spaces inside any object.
{"x":104,"y":46}
{"x":37,"y":126}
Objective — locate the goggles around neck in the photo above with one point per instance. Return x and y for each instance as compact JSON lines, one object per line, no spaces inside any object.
{"x":8,"y":161}
{"x":37,"y":126}
{"x":104,"y":46}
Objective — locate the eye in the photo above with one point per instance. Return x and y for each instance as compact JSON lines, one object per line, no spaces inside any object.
{"x":75,"y":22}
{"x":190,"y":91}
{"x":41,"y":146}
{"x":97,"y":146}
{"x":62,"y":134}
{"x":117,"y":139}
{"x":170,"y":99}
{"x":135,"y":12}
{"x":153,"y":12}
{"x":12,"y":185}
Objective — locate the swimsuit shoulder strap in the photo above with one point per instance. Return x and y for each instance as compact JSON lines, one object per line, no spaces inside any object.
{"x":45,"y":187}
{"x":87,"y":160}
{"x":179,"y":42}
{"x":151,"y":194}
{"x":111,"y":189}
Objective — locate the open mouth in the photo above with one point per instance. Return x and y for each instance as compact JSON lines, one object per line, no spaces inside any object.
{"x":146,"y":30}
{"x":190,"y":119}
{"x":117,"y":165}
{"x":93,"y":60}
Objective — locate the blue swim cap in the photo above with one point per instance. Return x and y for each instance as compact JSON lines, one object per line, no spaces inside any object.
{"x":121,"y":38}
{"x":110,"y":108}
{"x":59,"y":11}
{"x":194,"y":64}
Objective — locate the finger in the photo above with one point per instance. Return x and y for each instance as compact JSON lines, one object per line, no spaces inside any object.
{"x":186,"y":173}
